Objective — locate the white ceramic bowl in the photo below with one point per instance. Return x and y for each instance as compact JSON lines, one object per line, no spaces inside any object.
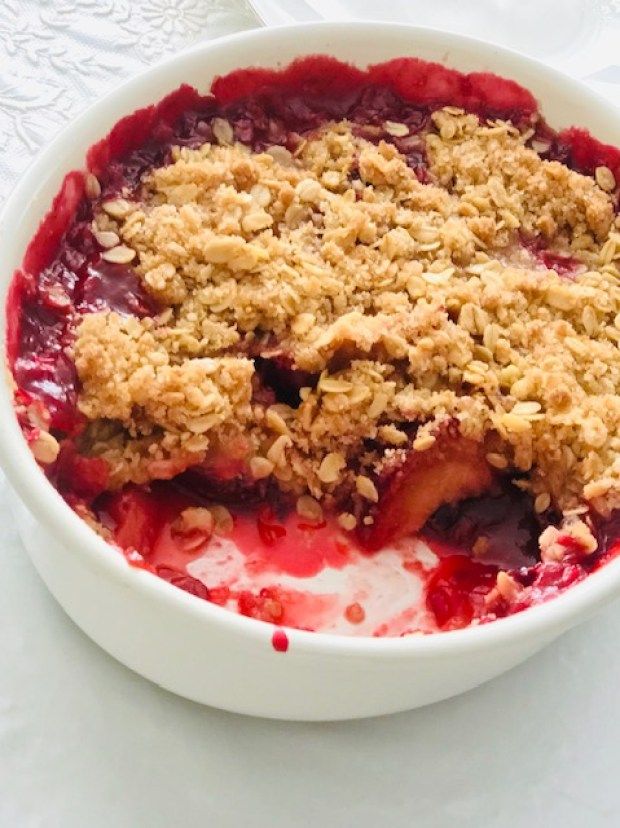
{"x":192,"y":647}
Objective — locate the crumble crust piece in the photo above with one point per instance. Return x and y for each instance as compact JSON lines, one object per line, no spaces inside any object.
{"x":412,"y":305}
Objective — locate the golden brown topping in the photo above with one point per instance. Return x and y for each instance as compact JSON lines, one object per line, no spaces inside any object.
{"x":117,"y":208}
{"x":45,"y":448}
{"x":121,"y":254}
{"x":195,"y":519}
{"x":506,"y":586}
{"x":605,"y":179}
{"x":573,"y":538}
{"x":92,"y":187}
{"x":408,"y":305}
{"x":260,"y":467}
{"x":309,"y":509}
{"x":223,"y":521}
{"x":347,"y":521}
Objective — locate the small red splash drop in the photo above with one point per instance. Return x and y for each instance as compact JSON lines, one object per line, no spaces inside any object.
{"x":279,"y":641}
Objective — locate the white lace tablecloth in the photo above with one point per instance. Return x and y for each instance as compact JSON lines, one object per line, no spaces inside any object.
{"x":84,"y":743}
{"x":56,"y":56}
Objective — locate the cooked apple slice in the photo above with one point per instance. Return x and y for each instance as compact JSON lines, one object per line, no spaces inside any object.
{"x":453,"y":469}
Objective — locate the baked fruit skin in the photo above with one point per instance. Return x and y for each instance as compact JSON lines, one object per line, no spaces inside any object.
{"x":452,"y":469}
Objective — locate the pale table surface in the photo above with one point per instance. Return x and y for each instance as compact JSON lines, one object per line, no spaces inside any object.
{"x":85,"y":743}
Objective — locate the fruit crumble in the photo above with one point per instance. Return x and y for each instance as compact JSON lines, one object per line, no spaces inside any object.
{"x":336,"y":354}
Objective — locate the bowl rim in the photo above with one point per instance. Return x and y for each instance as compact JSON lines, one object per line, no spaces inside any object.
{"x":45,"y":504}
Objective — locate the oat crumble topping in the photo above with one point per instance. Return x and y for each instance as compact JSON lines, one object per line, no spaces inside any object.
{"x":409,"y":306}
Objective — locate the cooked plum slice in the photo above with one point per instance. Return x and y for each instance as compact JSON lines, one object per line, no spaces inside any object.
{"x":453,"y":469}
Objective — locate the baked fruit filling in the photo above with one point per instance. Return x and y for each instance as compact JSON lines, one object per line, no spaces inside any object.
{"x":289,"y":329}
